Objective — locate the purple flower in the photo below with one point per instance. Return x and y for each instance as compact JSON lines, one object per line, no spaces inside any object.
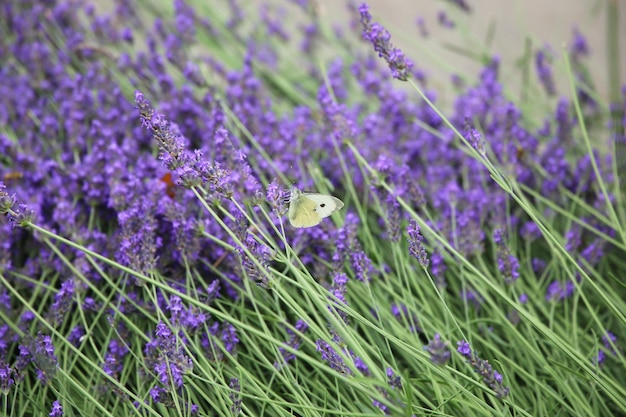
{"x":578,"y":47}
{"x":255,"y":260}
{"x":338,"y":291}
{"x":394,"y":381}
{"x":139,"y":242}
{"x":544,"y":71}
{"x":276,"y":197}
{"x":57,"y":409}
{"x":330,"y":355}
{"x":464,"y":348}
{"x":471,"y":296}
{"x":508,"y":264}
{"x":360,"y":365}
{"x":63,"y":301}
{"x":400,"y":66}
{"x":382,"y":407}
{"x":461,"y":4}
{"x":222,"y":337}
{"x":439,"y":350}
{"x":421,"y":24}
{"x":345,"y":240}
{"x":474,"y":137}
{"x":438,"y":269}
{"x":404,"y":316}
{"x":237,"y":15}
{"x":393,"y":216}
{"x":444,"y":20}
{"x":564,"y":122}
{"x":6,"y":378}
{"x":361,"y":264}
{"x":293,"y":342}
{"x":609,"y":340}
{"x":416,"y":246}
{"x":311,"y":38}
{"x":40,"y":351}
{"x":558,"y":291}
{"x":76,"y":335}
{"x":114,"y":358}
{"x":7,"y":202}
{"x":274,"y":24}
{"x":167,"y":358}
{"x":490,"y":377}
{"x":235,"y":396}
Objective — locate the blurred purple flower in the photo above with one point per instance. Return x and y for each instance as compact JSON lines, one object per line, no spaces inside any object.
{"x":276,"y":198}
{"x":394,"y":381}
{"x":578,"y":46}
{"x":63,"y":301}
{"x":338,"y":291}
{"x":444,"y":20}
{"x":235,"y":396}
{"x":405,"y":317}
{"x":609,"y":340}
{"x":57,"y":409}
{"x":508,"y":265}
{"x":293,"y":342}
{"x":474,"y":137}
{"x":114,"y":359}
{"x":438,"y":269}
{"x":421,"y":24}
{"x":473,"y":297}
{"x":40,"y":352}
{"x":461,"y":4}
{"x":274,"y":24}
{"x":558,"y":291}
{"x":438,"y":350}
{"x":393,"y":215}
{"x":6,"y":378}
{"x":75,"y":336}
{"x":256,"y":265}
{"x":543,"y":61}
{"x":361,"y":264}
{"x":222,"y":336}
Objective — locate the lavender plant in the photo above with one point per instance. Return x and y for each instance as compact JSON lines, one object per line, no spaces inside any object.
{"x":146,"y":267}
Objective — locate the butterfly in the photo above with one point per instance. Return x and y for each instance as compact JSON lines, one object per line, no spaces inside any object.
{"x":308,"y":209}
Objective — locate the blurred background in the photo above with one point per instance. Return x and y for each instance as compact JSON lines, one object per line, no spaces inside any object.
{"x":513,"y":25}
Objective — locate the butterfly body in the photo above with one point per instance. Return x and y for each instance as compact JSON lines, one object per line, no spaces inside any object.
{"x":308,"y":209}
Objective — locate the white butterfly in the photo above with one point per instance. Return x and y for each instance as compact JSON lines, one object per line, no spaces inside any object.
{"x":308,"y":209}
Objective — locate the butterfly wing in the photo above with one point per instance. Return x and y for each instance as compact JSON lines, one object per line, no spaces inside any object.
{"x":325,"y":204}
{"x":302,"y":212}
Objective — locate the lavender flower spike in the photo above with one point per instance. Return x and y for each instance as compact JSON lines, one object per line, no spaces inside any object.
{"x":416,"y":245}
{"x":399,"y":65}
{"x":490,"y":377}
{"x":544,"y":71}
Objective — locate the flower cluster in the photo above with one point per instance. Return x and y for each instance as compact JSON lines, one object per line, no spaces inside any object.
{"x":77,"y":160}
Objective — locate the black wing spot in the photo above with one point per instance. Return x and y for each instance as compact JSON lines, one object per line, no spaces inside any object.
{"x":323,"y":205}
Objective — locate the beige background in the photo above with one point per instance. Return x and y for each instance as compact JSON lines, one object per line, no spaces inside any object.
{"x":542,"y":21}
